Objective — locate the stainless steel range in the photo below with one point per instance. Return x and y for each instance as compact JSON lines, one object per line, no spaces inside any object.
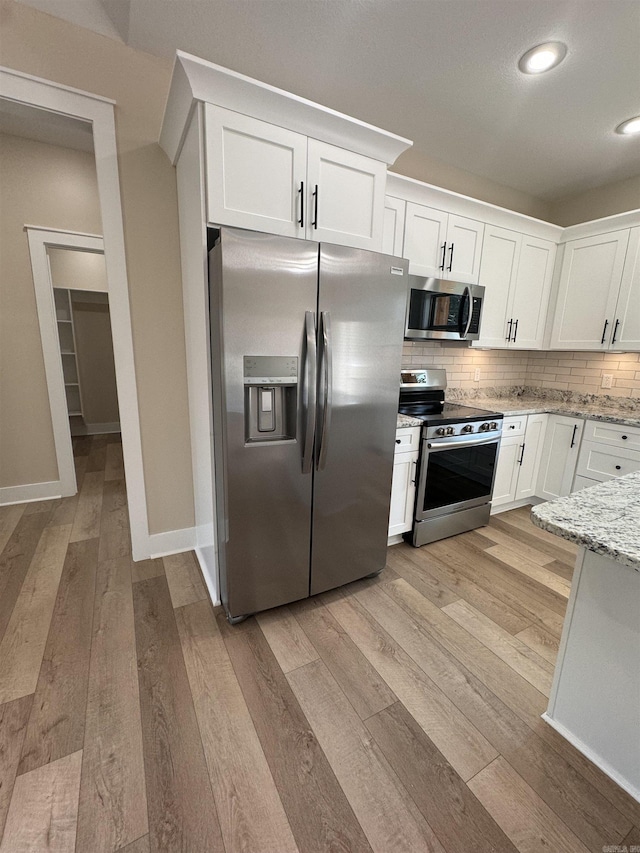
{"x":457,"y":463}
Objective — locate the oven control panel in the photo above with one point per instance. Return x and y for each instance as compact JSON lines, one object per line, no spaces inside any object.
{"x":485,"y":428}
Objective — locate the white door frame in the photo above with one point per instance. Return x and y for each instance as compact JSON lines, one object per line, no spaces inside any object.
{"x":44,"y":94}
{"x":41,"y":239}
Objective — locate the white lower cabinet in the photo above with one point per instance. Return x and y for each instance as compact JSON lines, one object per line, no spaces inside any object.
{"x":607,"y":451}
{"x":403,"y":485}
{"x":580,"y":483}
{"x":519,"y":459}
{"x":559,"y":456}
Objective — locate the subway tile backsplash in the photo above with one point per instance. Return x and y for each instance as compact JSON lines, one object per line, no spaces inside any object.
{"x":563,"y":371}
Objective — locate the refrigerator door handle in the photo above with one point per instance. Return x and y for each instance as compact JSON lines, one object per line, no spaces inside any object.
{"x":310,"y":387}
{"x":327,"y":381}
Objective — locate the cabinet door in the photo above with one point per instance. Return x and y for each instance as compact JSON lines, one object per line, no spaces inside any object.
{"x":393,"y":226}
{"x":530,"y":292}
{"x":497,"y":271}
{"x":345,"y":197}
{"x":425,"y":235}
{"x":255,"y":171}
{"x":559,"y":456}
{"x":504,"y":486}
{"x":464,"y":249}
{"x":589,"y":285}
{"x":627,"y":334}
{"x":403,"y":492}
{"x":531,"y":456}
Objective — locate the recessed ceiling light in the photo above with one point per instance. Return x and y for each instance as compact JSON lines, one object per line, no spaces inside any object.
{"x":631,"y":125}
{"x":544,"y":57}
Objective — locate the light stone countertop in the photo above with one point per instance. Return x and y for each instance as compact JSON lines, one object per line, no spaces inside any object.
{"x":538,"y":406}
{"x":528,"y":400}
{"x":603,"y":518}
{"x":407,"y":421}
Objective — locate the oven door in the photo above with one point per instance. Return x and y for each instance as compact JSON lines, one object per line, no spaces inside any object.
{"x":455,"y":474}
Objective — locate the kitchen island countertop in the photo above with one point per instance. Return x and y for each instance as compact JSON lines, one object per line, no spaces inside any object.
{"x":604,"y":519}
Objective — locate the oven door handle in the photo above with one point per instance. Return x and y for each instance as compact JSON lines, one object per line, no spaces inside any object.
{"x":437,"y":444}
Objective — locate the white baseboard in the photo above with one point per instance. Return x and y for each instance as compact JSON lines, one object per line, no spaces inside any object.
{"x":172,"y":542}
{"x":532,"y":501}
{"x":30,"y":492}
{"x":596,"y":759}
{"x":95,"y":429}
{"x":395,"y":539}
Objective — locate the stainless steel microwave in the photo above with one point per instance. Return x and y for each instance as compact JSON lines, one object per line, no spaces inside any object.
{"x":443,"y":310}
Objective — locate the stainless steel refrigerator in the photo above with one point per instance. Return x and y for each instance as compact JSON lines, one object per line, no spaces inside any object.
{"x":306,"y":343}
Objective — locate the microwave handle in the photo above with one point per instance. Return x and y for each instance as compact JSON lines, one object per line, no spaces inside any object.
{"x":464,"y":329}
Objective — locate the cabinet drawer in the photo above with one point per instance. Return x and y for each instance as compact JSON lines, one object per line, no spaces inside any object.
{"x":407,"y":438}
{"x":583,"y":483}
{"x":600,"y":463}
{"x":514,"y":425}
{"x":613,"y":435}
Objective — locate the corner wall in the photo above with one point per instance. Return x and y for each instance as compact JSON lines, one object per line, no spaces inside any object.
{"x":38,"y":44}
{"x":51,"y":187}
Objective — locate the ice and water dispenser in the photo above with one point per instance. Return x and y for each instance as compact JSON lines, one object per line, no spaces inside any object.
{"x":270,"y":398}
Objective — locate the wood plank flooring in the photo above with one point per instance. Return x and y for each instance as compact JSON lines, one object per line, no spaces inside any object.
{"x":400,"y":713}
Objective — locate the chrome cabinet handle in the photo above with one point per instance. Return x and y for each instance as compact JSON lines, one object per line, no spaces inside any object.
{"x":301,"y":191}
{"x":604,"y":331}
{"x":309,"y":391}
{"x":415,"y":474}
{"x":327,"y":369}
{"x":444,"y":252}
{"x":450,"y":258}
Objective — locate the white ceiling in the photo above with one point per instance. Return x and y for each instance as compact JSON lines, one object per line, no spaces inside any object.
{"x":442,"y":72}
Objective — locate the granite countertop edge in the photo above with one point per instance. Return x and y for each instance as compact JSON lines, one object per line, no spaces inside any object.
{"x":604,"y":519}
{"x":530,"y":407}
{"x":511,"y":408}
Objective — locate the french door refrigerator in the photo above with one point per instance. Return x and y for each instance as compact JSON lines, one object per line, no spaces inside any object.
{"x":306,"y":344}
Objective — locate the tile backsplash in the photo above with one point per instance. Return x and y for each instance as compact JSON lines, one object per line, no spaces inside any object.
{"x":580,"y":372}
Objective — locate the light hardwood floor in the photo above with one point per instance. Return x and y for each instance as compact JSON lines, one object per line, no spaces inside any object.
{"x":395,"y":714}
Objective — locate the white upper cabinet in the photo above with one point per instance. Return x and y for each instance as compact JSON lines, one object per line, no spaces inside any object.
{"x":266,"y":178}
{"x":626,"y":335}
{"x":497,"y":274}
{"x":530,"y":295}
{"x":516,"y":272}
{"x":590,"y":280}
{"x":393,"y":226}
{"x":464,"y":247}
{"x":442,"y":245}
{"x":257,"y":173}
{"x":344,"y":196}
